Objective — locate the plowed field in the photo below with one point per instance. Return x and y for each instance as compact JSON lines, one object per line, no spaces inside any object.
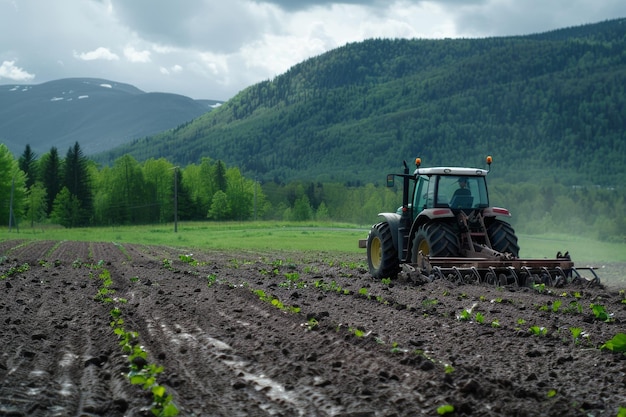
{"x":276,"y":334}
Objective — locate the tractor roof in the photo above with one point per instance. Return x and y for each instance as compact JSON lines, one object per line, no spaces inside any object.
{"x":466,"y":172}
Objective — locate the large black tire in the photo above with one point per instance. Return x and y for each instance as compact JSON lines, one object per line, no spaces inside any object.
{"x":502,"y":237}
{"x":382,"y":255}
{"x":437,"y":239}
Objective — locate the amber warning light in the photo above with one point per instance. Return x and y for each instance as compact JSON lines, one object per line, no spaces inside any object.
{"x":418,"y":162}
{"x":489,"y":160}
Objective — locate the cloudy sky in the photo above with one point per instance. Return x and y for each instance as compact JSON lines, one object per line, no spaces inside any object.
{"x":215,"y":48}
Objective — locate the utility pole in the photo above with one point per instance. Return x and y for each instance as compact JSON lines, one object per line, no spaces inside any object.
{"x":254,"y":198}
{"x":11,"y":219}
{"x":175,"y":199}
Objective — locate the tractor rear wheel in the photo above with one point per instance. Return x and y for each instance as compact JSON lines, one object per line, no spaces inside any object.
{"x":382,"y":255}
{"x":437,"y":239}
{"x":502,"y":237}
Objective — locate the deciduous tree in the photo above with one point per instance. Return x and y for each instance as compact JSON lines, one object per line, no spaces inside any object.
{"x":36,"y":204}
{"x":66,"y":210}
{"x":12,"y":187}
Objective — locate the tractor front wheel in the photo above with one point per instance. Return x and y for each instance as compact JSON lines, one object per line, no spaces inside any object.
{"x":437,"y":239}
{"x":382,"y":255}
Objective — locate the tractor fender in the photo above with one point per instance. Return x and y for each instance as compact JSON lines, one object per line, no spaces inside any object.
{"x":433,"y":214}
{"x":393,"y":220}
{"x":495,"y":212}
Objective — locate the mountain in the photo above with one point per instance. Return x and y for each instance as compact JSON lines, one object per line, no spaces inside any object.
{"x":548,"y":107}
{"x":99,"y":114}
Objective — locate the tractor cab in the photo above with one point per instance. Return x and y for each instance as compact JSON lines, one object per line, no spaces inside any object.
{"x":453,"y":188}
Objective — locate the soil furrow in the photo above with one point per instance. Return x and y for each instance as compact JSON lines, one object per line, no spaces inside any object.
{"x":295,"y":334}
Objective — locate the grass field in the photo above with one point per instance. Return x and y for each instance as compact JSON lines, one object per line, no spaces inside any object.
{"x":316,"y":238}
{"x":262,"y":236}
{"x":281,"y":236}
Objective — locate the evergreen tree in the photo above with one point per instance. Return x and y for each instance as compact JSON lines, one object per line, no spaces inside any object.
{"x":221,"y":183}
{"x":78,"y":183}
{"x":50,"y":174}
{"x":28,"y":165}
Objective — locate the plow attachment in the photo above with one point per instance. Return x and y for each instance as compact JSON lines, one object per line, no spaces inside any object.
{"x":500,"y":272}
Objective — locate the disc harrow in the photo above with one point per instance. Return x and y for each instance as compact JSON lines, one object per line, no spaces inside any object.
{"x":502,"y":272}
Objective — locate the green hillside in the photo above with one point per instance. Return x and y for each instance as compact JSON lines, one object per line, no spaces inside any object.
{"x":546,"y":106}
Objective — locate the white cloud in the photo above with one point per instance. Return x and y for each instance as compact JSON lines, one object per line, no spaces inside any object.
{"x":174,"y":69}
{"x":134,"y":55}
{"x":162,"y":49}
{"x":215,"y":48}
{"x":12,"y":72}
{"x":100,"y":53}
{"x":311,"y":32}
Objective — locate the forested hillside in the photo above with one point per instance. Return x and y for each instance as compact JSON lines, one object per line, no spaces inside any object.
{"x":548,"y":107}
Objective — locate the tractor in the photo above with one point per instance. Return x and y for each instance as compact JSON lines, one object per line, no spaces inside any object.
{"x":447,"y":228}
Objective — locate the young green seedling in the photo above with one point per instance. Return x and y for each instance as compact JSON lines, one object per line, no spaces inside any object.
{"x":464,"y":315}
{"x":540,"y":288}
{"x":538,"y":331}
{"x":188,"y":259}
{"x":479,"y":317}
{"x":616,"y":344}
{"x":312,"y":324}
{"x":445,"y":409}
{"x":356,"y":332}
{"x":576,"y":332}
{"x":211,"y":279}
{"x":166,"y":263}
{"x":600,"y":313}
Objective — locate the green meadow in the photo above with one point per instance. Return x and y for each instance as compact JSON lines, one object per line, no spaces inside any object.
{"x":284,"y":236}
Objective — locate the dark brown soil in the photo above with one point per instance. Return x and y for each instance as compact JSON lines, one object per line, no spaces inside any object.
{"x":227,"y":330}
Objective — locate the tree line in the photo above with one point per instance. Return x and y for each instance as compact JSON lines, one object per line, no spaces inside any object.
{"x":75,"y":192}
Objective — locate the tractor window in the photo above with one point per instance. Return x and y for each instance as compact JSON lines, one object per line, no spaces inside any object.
{"x":463,"y":192}
{"x":421,"y":194}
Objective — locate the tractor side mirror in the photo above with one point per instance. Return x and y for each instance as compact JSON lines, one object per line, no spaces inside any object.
{"x":390,"y":180}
